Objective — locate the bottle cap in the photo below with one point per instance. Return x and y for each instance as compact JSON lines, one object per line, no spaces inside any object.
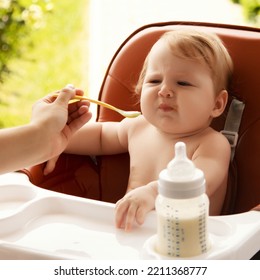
{"x":181,"y":178}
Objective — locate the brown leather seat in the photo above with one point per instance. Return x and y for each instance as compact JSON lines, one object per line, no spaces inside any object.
{"x":106,"y":177}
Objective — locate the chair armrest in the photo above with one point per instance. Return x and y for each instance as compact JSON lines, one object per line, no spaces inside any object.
{"x":35,"y":173}
{"x":74,"y":175}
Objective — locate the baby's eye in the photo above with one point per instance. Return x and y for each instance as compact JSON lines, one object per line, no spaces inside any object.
{"x":184,"y":83}
{"x":154,"y":81}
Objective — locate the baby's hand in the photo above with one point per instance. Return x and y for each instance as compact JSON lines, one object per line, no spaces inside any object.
{"x":134,"y":206}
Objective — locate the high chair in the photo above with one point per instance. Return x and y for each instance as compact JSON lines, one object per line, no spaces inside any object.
{"x":105,"y":177}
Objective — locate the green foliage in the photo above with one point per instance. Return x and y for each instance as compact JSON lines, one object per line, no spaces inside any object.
{"x":12,"y":27}
{"x":17,"y":19}
{"x":251,"y":10}
{"x":56,"y":56}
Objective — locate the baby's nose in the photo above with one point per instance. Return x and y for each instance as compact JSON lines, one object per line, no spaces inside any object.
{"x":166,"y":92}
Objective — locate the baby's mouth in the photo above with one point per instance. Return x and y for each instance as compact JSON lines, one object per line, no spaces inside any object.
{"x":166,"y":107}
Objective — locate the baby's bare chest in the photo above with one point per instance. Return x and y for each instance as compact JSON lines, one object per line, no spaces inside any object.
{"x":148,"y":158}
{"x":151,"y":152}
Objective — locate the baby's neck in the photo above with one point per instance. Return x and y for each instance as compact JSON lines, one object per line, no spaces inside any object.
{"x":185,"y":135}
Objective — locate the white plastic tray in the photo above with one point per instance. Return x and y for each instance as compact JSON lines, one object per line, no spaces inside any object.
{"x":40,"y":224}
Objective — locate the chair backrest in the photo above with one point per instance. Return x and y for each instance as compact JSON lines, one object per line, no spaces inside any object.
{"x":243,"y":44}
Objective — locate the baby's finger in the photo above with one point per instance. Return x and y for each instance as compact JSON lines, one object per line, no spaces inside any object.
{"x":130,"y":216}
{"x":140,"y":215}
{"x":120,"y":213}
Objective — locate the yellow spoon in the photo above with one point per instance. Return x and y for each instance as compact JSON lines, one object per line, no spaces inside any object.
{"x":127,"y":114}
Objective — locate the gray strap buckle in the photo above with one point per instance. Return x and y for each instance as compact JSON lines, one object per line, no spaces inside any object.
{"x":231,"y":136}
{"x":232,"y":124}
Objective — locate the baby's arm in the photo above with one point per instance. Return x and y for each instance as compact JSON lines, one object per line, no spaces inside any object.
{"x":213,"y":157}
{"x":99,"y":138}
{"x":135,"y":205}
{"x":95,"y":139}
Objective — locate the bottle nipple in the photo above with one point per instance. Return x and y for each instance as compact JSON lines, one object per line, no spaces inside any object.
{"x":180,"y":168}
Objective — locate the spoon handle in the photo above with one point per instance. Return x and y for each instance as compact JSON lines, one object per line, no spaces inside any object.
{"x":127,"y":114}
{"x":98,"y":102}
{"x":79,"y":97}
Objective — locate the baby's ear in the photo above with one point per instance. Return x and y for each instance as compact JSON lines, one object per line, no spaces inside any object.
{"x":220,"y":103}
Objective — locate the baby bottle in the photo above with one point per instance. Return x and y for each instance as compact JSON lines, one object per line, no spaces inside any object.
{"x":182,"y":208}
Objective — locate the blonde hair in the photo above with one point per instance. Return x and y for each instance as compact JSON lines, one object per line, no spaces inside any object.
{"x":201,"y":46}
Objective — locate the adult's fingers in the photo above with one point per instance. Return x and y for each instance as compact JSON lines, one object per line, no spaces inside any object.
{"x":65,"y":95}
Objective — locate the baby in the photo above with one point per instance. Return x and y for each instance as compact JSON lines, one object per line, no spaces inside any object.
{"x":182,"y":87}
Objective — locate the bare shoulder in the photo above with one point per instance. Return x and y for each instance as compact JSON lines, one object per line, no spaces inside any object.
{"x":129,"y":124}
{"x":214,"y":144}
{"x":212,"y":156}
{"x":216,"y":138}
{"x":129,"y":127}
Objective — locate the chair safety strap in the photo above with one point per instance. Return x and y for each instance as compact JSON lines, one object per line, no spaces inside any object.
{"x":232,"y":124}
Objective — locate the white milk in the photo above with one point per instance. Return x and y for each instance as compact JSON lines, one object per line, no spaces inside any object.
{"x":182,"y":234}
{"x":182,"y":208}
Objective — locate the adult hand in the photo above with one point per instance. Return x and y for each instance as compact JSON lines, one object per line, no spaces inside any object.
{"x":60,"y":120}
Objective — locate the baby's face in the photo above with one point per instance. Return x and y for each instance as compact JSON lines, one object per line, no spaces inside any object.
{"x":178,"y":93}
